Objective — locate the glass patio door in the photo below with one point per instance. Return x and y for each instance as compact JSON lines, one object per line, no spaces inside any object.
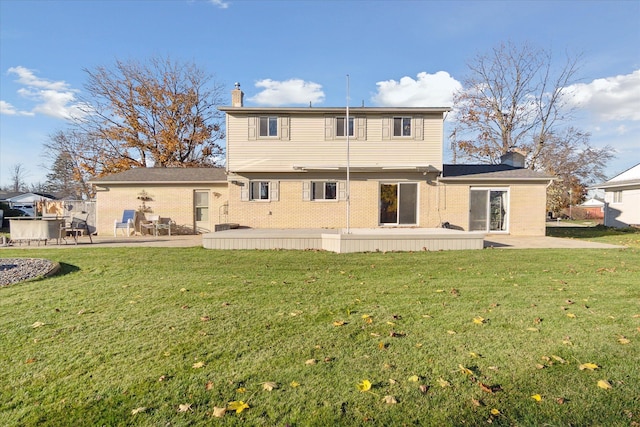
{"x":399,"y":203}
{"x":488,"y":210}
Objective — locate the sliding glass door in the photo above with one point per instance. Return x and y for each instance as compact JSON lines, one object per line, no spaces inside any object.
{"x":488,"y":209}
{"x":399,"y":203}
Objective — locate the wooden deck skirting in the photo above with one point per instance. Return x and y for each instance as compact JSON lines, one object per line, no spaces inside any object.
{"x":357,"y":240}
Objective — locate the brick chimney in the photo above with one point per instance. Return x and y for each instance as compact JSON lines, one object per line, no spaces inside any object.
{"x":513,"y":158}
{"x":237,"y":97}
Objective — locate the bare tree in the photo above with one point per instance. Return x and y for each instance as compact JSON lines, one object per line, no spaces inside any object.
{"x":72,"y":154}
{"x":515,"y":97}
{"x":159,"y":113}
{"x":18,"y":176}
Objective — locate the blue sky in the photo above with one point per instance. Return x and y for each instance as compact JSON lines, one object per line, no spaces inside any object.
{"x":397,"y":53}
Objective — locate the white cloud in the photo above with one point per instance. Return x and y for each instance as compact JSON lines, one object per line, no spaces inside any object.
{"x":51,"y":98}
{"x":9,"y":110}
{"x":609,"y":99}
{"x":293,"y":91}
{"x":219,"y":3}
{"x":428,"y":90}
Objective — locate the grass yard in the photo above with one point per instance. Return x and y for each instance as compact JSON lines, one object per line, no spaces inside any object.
{"x":171,"y":336}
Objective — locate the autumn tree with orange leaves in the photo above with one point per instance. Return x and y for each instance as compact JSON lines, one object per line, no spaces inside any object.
{"x":517,"y":98}
{"x":160,"y":113}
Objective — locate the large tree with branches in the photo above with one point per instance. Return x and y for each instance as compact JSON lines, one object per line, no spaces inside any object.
{"x":160,"y":113}
{"x":517,"y":98}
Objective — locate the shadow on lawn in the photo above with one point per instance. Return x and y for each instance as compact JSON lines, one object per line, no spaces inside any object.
{"x":589,"y":232}
{"x":66,"y":269}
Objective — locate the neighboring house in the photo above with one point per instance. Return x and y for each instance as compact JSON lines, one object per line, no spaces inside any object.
{"x":26,"y":202}
{"x":194,"y":199}
{"x":594,"y":208}
{"x":622,"y":198}
{"x":313,"y":168}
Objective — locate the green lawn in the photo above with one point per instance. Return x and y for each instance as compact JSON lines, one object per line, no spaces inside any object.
{"x":163,"y":336}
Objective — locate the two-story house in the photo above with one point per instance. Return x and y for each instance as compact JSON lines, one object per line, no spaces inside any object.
{"x":368,"y":168}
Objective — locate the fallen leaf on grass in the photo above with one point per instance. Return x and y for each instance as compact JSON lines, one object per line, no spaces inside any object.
{"x":558,"y":358}
{"x":589,"y":366}
{"x":241,"y":390}
{"x":390,"y":400}
{"x":423,"y":388}
{"x":198,"y":365}
{"x":464,"y":370}
{"x":209,"y":385}
{"x":604,"y":384}
{"x":443,"y":383}
{"x":310,"y":362}
{"x":219,"y":412}
{"x":339,"y":323}
{"x":414,"y":378}
{"x":184,"y":407}
{"x":138,"y":410}
{"x":294,"y":384}
{"x":494,"y":411}
{"x":476,"y":402}
{"x":623,"y":340}
{"x":536,"y":397}
{"x":37,"y":324}
{"x":269,"y":386}
{"x":238,"y":406}
{"x":479,"y":320}
{"x":364,"y":386}
{"x":205,"y":318}
{"x":571,"y":315}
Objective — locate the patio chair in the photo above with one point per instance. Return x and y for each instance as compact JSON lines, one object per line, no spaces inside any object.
{"x":128,"y":222}
{"x":149,"y":224}
{"x":76,"y":226}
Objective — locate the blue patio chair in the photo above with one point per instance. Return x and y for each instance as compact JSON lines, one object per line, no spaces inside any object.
{"x":128,"y":222}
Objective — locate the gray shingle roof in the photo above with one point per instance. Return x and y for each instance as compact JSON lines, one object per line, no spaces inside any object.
{"x":491,"y":172}
{"x":164,"y":175}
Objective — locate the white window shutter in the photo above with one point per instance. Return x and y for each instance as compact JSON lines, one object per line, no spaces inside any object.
{"x":361,"y":128}
{"x":306,"y":190}
{"x":386,"y":127}
{"x":329,"y":130}
{"x":253,"y":128}
{"x":284,"y":128}
{"x":418,"y":126}
{"x":274,"y":191}
{"x":244,"y":191}
{"x":342,"y":190}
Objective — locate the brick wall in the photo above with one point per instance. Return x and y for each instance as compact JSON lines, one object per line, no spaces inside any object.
{"x":170,"y":201}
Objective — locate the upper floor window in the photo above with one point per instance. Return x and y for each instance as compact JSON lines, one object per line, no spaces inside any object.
{"x":259,"y":190}
{"x":268,"y":126}
{"x":322,"y":190}
{"x":402,"y":126}
{"x":617,"y":197}
{"x":340,"y":126}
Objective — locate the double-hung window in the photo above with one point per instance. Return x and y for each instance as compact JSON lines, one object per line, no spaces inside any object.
{"x":323,"y":190}
{"x":617,"y":197}
{"x":268,"y":126}
{"x":259,"y":190}
{"x":340,"y":126}
{"x":402,"y":126}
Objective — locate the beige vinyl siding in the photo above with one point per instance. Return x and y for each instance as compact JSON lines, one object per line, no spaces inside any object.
{"x":308,"y":145}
